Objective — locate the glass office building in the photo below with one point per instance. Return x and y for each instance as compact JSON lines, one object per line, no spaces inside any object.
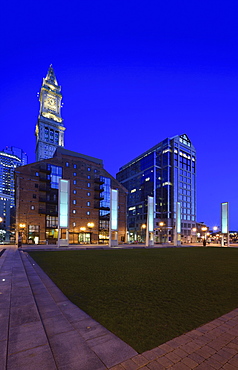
{"x":10,"y":159}
{"x":168,"y":173}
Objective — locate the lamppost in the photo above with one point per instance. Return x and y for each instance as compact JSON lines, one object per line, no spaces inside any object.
{"x":204,"y":228}
{"x":143,"y":227}
{"x":194,"y":231}
{"x":21,"y":233}
{"x":161,"y":224}
{"x":90,"y":225}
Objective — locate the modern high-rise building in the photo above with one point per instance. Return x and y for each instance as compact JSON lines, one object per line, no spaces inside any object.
{"x":50,"y":127}
{"x":167,"y":172}
{"x":10,"y":158}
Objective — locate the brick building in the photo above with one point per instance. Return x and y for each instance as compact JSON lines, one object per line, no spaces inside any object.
{"x":90,"y":184}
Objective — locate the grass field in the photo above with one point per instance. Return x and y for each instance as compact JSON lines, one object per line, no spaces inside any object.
{"x":147,"y":296}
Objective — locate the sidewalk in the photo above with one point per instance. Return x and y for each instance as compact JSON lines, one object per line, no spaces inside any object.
{"x":41,"y":329}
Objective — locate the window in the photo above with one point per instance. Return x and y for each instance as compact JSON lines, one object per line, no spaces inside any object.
{"x":88,"y":213}
{"x":66,"y":164}
{"x":36,"y":185}
{"x":89,"y":185}
{"x":51,"y":221}
{"x":37,"y":173}
{"x":56,"y":173}
{"x":75,"y":191}
{"x":88,"y":194}
{"x":75,"y":165}
{"x":51,"y":135}
{"x":75,"y":173}
{"x":34,"y":196}
{"x":32,"y":207}
{"x":89,"y":169}
{"x":74,"y":201}
{"x":88,"y":204}
{"x":89,"y":177}
{"x":46,"y":134}
{"x":57,"y":137}
{"x":75,"y":182}
{"x":74,"y":224}
{"x":74,"y":211}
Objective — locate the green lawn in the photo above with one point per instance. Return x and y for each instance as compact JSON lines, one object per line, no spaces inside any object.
{"x":147,"y":296}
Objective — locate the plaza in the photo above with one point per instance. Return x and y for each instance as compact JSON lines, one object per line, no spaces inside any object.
{"x":67,"y":337}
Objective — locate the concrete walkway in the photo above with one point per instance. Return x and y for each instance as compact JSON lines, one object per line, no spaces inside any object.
{"x":41,"y":329}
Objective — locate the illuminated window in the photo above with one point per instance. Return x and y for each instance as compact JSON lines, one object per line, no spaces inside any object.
{"x":88,"y":194}
{"x":37,"y":173}
{"x":75,"y":182}
{"x":75,"y":165}
{"x":88,"y":204}
{"x":89,"y":177}
{"x":88,"y":213}
{"x":75,"y":174}
{"x":75,"y":191}
{"x":89,"y":169}
{"x":74,"y":224}
{"x":74,"y":211}
{"x":56,"y":137}
{"x":66,"y":164}
{"x":32,"y":207}
{"x":89,"y":185}
{"x":74,"y":201}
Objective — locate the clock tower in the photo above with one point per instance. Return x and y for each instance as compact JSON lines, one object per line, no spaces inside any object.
{"x":49,"y":128}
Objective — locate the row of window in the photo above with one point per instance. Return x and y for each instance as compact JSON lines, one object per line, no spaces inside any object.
{"x":75,"y":166}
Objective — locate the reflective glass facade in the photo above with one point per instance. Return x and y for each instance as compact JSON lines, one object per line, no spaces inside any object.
{"x":168,"y":173}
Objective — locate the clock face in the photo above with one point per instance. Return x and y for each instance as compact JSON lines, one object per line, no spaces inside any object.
{"x":51,"y":103}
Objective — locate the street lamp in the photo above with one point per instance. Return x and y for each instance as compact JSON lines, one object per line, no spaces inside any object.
{"x":90,"y":225}
{"x":204,"y":228}
{"x":161,"y":224}
{"x":143,"y":227}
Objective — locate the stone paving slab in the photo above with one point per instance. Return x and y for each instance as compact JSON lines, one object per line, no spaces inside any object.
{"x":75,"y":338}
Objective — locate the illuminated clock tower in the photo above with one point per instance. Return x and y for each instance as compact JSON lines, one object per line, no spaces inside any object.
{"x":49,"y":128}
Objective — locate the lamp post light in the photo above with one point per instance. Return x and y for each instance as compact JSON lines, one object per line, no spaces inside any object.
{"x":204,"y":228}
{"x":21,"y":233}
{"x":90,"y":225}
{"x":161,"y":224}
{"x":194,"y":231}
{"x":143,"y":227}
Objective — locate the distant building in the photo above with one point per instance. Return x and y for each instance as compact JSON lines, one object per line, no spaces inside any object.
{"x":166,"y":172}
{"x":90,"y":183}
{"x":50,"y":127}
{"x":10,"y":158}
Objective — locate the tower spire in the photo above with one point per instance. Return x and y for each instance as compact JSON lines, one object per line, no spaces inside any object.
{"x":50,"y":77}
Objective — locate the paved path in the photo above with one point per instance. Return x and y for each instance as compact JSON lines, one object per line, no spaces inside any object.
{"x":41,"y":329}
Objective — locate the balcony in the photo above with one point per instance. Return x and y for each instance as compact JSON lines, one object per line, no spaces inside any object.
{"x":98,"y":181}
{"x":44,"y":188}
{"x":97,"y":188}
{"x":51,"y":212}
{"x":97,"y":197}
{"x":43,"y":177}
{"x":44,"y":169}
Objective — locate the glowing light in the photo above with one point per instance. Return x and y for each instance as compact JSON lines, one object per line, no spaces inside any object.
{"x":90,"y":225}
{"x":82,"y":228}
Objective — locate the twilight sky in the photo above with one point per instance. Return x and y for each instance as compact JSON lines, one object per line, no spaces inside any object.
{"x":132,"y":73}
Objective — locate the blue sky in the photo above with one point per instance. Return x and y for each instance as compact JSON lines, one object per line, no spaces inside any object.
{"x":132,"y":74}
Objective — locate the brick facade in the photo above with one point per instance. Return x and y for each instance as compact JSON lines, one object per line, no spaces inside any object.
{"x":37,"y":200}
